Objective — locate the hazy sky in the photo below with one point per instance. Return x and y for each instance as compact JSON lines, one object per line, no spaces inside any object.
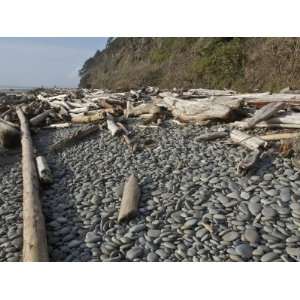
{"x":45,"y":61}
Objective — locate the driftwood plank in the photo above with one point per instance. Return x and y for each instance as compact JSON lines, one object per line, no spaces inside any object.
{"x":250,"y":142}
{"x":280,"y":136}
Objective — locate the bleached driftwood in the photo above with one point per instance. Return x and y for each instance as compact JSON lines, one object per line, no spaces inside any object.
{"x":248,"y":162}
{"x":251,"y":142}
{"x":280,"y":136}
{"x":44,"y":171}
{"x":59,"y":125}
{"x":34,"y":232}
{"x":199,"y":110}
{"x":142,"y":109}
{"x":89,"y":119}
{"x":130,"y":199}
{"x":264,"y":113}
{"x":9,"y":134}
{"x":40,"y":118}
{"x":70,"y":140}
{"x":79,"y":110}
{"x":111,"y":125}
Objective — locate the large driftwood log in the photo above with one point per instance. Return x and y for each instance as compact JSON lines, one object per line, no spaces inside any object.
{"x":34,"y":232}
{"x":80,"y":134}
{"x":9,"y":135}
{"x":264,"y":113}
{"x":44,"y":171}
{"x":251,"y":142}
{"x":130,"y":199}
{"x":263,"y":124}
{"x":200,"y":110}
{"x":40,"y":118}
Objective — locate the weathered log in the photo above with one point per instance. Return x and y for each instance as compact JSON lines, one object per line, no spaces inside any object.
{"x":280,"y":136}
{"x":130,"y":199}
{"x":9,"y":135}
{"x":200,"y":110}
{"x":111,"y":125}
{"x":70,"y":140}
{"x":44,"y":171}
{"x":89,"y":119}
{"x":34,"y":232}
{"x":79,"y":110}
{"x":264,"y":113}
{"x":142,"y":109}
{"x":211,"y":136}
{"x":242,"y":124}
{"x":248,"y":162}
{"x":40,"y":118}
{"x":251,"y":142}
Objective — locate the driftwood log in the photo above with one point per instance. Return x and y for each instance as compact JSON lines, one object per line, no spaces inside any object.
{"x":248,"y":162}
{"x":211,"y":136}
{"x":43,"y":170}
{"x":77,"y":136}
{"x":264,"y":113}
{"x":95,"y":118}
{"x":9,"y":135}
{"x":111,"y":125}
{"x":130,"y":199}
{"x":34,"y":232}
{"x":280,"y":136}
{"x":250,"y":142}
{"x":40,"y":118}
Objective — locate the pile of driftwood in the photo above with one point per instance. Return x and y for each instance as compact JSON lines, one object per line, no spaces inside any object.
{"x":21,"y":114}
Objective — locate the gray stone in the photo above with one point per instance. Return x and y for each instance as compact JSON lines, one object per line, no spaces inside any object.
{"x":251,"y":235}
{"x":244,"y":250}
{"x":230,"y":236}
{"x":134,"y":253}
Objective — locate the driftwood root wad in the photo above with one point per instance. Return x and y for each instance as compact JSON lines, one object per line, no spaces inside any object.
{"x":9,"y":135}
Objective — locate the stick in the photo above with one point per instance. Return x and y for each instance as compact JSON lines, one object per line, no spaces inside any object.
{"x":130,"y":199}
{"x":34,"y":232}
{"x":246,"y":140}
{"x":43,"y":170}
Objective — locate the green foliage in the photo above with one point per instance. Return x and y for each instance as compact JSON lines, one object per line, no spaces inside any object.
{"x":220,"y":63}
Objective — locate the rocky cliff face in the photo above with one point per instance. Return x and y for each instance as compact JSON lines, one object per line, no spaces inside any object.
{"x":244,"y":64}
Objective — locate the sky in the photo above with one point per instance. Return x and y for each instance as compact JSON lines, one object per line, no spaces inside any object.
{"x":48,"y":62}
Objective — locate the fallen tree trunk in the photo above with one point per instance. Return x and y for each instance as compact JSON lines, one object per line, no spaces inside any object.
{"x":264,"y":113}
{"x":44,"y":170}
{"x":280,"y":136}
{"x":250,"y":142}
{"x":9,"y":135}
{"x":40,"y":118}
{"x":34,"y":232}
{"x":142,"y":109}
{"x":130,"y":199}
{"x":80,"y":134}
